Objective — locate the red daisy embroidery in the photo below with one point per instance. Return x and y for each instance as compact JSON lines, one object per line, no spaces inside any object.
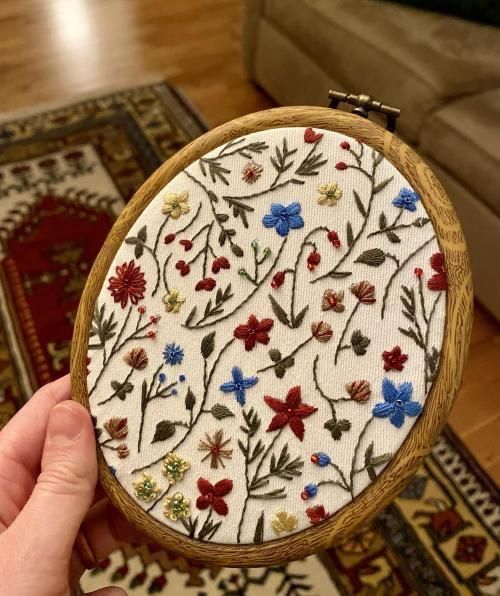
{"x":211,"y":495}
{"x":394,"y":360}
{"x":129,"y":284}
{"x":291,"y":412}
{"x":254,"y":331}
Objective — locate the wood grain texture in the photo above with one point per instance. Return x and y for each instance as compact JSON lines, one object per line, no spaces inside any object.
{"x":438,"y":403}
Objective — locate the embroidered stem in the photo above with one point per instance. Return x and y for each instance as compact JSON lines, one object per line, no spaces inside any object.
{"x":115,"y":393}
{"x":264,"y":456}
{"x":330,"y":400}
{"x":247,"y":484}
{"x":422,"y":301}
{"x":157,"y":263}
{"x":160,"y":230}
{"x":231,"y":199}
{"x":426,"y":341}
{"x":339,"y":345}
{"x":398,"y":270}
{"x":355,"y":456}
{"x":162,"y":496}
{"x":165,"y":282}
{"x":300,"y":346}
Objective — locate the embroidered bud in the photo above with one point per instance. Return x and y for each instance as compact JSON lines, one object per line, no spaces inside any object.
{"x":341,"y":166}
{"x":310,"y":490}
{"x":321,"y":459}
{"x":364,"y":292}
{"x":208,"y":284}
{"x":359,"y":390}
{"x":313,"y":260}
{"x":169,"y":238}
{"x":418,"y":272}
{"x":220,"y":263}
{"x":122,"y":451}
{"x":278,"y":280}
{"x":151,"y":334}
{"x":345,"y":145}
{"x":141,"y":310}
{"x":254,"y":244}
{"x":266,"y":252}
{"x":162,"y":377}
{"x":312,"y":137}
{"x":321,"y":331}
{"x":154,"y":319}
{"x":187,"y":244}
{"x":116,"y":427}
{"x":136,"y":358}
{"x":316,"y":514}
{"x":333,"y":237}
{"x":182,"y":378}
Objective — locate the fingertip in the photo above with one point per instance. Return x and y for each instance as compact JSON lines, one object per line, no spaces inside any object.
{"x":67,"y":421}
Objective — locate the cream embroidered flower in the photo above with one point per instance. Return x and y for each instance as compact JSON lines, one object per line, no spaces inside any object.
{"x":174,"y":467}
{"x":176,"y":204}
{"x":283,"y":522}
{"x":329,"y":194}
{"x":173,"y":301}
{"x":146,"y":489}
{"x":251,"y":172}
{"x":176,"y":507}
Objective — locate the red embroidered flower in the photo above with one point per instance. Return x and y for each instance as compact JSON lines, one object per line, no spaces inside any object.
{"x":341,"y":166}
{"x":333,"y":237}
{"x":254,"y":331}
{"x":183,"y":267}
{"x":220,"y":263}
{"x":439,"y":281}
{"x":333,"y":300}
{"x":394,"y":360}
{"x":364,"y":292}
{"x":187,"y":244}
{"x":321,"y":331}
{"x":129,"y":284}
{"x":211,"y":495}
{"x":312,"y":137}
{"x":169,"y":238}
{"x":208,"y":284}
{"x":278,"y":279}
{"x":418,"y":272}
{"x":345,"y":145}
{"x":316,"y":514}
{"x":470,"y":549}
{"x":291,"y":412}
{"x":313,"y":260}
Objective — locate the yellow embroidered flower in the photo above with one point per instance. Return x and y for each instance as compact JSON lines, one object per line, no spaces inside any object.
{"x":284,"y":522}
{"x":176,"y":204}
{"x":146,"y":489}
{"x":173,"y":301}
{"x":176,"y":507}
{"x":174,"y":467}
{"x":329,"y":194}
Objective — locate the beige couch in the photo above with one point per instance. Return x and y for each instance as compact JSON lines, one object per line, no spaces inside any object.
{"x":443,"y":72}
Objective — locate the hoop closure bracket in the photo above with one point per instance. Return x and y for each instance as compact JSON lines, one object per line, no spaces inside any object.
{"x":364,"y":105}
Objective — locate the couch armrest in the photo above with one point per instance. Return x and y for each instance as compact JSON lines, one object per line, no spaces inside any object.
{"x":253,"y":11}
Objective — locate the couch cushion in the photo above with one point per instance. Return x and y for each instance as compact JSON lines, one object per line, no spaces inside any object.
{"x":413,"y":59}
{"x":463,"y":138}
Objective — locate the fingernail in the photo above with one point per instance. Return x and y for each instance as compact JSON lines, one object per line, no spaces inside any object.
{"x":65,"y":424}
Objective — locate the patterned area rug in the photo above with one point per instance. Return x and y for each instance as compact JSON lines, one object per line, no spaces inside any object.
{"x":64,"y":176}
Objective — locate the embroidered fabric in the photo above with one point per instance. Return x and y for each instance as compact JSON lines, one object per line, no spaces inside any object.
{"x":267,"y":335}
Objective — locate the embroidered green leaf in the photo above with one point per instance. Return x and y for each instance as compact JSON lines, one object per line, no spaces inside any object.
{"x":207,"y":308}
{"x":368,"y":463}
{"x":131,"y":240}
{"x":258,"y":535}
{"x":378,"y":460}
{"x":392,"y":237}
{"x":297,"y":322}
{"x":359,"y":343}
{"x":142,"y":234}
{"x":382,"y":185}
{"x":190,"y":316}
{"x":218,"y":296}
{"x":139,"y":250}
{"x":340,"y":274}
{"x":252,"y":421}
{"x":374,"y":257}
{"x":121,"y":389}
{"x":275,"y":355}
{"x":280,"y":313}
{"x":382,"y":221}
{"x":279,"y":493}
{"x":242,"y":447}
{"x":222,"y":237}
{"x":212,"y":196}
{"x":377,"y":158}
{"x":144,"y":395}
{"x":337,"y":427}
{"x":221,"y":217}
{"x":421,"y":221}
{"x":190,"y":399}
{"x":237,"y":250}
{"x":215,"y":169}
{"x":412,"y":334}
{"x":281,"y":368}
{"x":310,"y":165}
{"x":359,"y":204}
{"x":349,"y":234}
{"x":208,"y":345}
{"x":164,"y":430}
{"x":257,"y":450}
{"x":220,"y":411}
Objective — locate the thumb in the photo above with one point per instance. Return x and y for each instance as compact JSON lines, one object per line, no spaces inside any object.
{"x":111,"y":591}
{"x":65,"y":487}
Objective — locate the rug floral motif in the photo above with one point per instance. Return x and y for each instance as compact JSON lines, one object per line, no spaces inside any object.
{"x":439,"y":537}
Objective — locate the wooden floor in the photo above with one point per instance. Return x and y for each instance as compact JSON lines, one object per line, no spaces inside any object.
{"x":54,"y":50}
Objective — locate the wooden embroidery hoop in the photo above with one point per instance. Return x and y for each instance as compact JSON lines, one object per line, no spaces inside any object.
{"x":457,"y":331}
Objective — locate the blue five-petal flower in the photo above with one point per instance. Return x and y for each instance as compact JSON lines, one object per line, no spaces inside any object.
{"x":238,"y":385}
{"x":284,"y":218}
{"x":397,"y":403}
{"x":406,"y":199}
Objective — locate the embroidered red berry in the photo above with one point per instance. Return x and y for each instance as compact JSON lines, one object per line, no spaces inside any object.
{"x":304,"y":496}
{"x":183,"y":267}
{"x":169,"y":238}
{"x":313,"y":260}
{"x":439,"y":281}
{"x":345,"y":145}
{"x":220,"y":263}
{"x":187,"y":244}
{"x":141,"y":310}
{"x":154,"y":319}
{"x":341,"y":166}
{"x":278,"y":280}
{"x":312,"y":137}
{"x":151,"y":334}
{"x":208,"y":284}
{"x":418,"y":272}
{"x":333,"y":237}
{"x":254,"y":331}
{"x":394,"y":359}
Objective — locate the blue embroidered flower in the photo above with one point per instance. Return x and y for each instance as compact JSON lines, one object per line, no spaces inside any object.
{"x":162,"y":377}
{"x":173,"y":354}
{"x":397,"y":403}
{"x":238,"y":385}
{"x":310,"y":490}
{"x":321,"y":459}
{"x":406,"y":199}
{"x":284,"y":218}
{"x":112,"y":469}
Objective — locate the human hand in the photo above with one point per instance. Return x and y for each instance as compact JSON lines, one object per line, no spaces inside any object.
{"x":48,"y":475}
